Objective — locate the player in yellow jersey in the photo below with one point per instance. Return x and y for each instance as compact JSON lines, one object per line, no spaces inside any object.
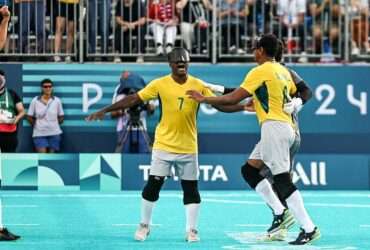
{"x":175,"y":142}
{"x":271,"y":85}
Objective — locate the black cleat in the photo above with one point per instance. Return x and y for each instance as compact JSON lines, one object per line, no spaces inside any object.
{"x":305,"y":238}
{"x":5,"y":235}
{"x":281,"y":222}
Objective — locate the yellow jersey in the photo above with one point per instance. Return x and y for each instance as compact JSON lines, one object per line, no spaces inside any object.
{"x":271,"y":86}
{"x":69,"y":1}
{"x":176,"y":131}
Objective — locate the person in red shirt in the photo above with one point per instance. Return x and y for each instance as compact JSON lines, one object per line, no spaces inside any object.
{"x":162,"y":16}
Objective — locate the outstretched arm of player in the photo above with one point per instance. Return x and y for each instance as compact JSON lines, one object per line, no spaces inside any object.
{"x":230,"y":99}
{"x":127,"y":102}
{"x":230,"y":108}
{"x":218,"y":88}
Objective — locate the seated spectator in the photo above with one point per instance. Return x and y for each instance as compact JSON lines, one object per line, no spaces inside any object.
{"x":67,"y":15}
{"x":11,"y":112}
{"x":326,"y":15}
{"x":45,"y":114}
{"x":291,"y":15}
{"x":130,"y":23}
{"x":31,"y":14}
{"x":232,"y":15}
{"x":360,"y":26}
{"x":195,"y":23}
{"x":99,"y":13}
{"x":162,"y":16}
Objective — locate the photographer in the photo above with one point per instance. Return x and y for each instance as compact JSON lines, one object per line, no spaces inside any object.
{"x":131,"y":124}
{"x":4,"y":20}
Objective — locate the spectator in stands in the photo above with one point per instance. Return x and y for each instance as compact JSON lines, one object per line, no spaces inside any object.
{"x":291,"y":22}
{"x":259,"y":15}
{"x":99,"y":12}
{"x":195,"y":16}
{"x":67,"y":15}
{"x":31,"y":14}
{"x":360,"y":26}
{"x":162,"y":15}
{"x":232,"y":15}
{"x":130,"y":23}
{"x":4,"y":20}
{"x":326,"y":15}
{"x":45,"y":114}
{"x":11,"y":112}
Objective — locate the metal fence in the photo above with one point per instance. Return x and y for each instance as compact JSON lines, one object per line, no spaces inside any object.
{"x":218,"y":30}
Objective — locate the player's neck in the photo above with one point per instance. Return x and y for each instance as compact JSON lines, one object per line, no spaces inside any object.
{"x":265,"y":59}
{"x":179,"y":79}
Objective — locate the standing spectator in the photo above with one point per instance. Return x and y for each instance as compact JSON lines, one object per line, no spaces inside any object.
{"x":195,"y":23}
{"x":4,"y":20}
{"x":291,"y":21}
{"x":360,"y":26}
{"x":11,"y":112}
{"x":31,"y":18}
{"x":130,"y":20}
{"x":259,"y":15}
{"x":232,"y":15}
{"x":67,"y":13}
{"x":164,"y":21}
{"x":45,"y":115}
{"x":99,"y":12}
{"x":326,"y":20}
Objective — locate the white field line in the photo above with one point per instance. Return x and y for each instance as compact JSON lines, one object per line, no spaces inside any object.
{"x":22,"y":224}
{"x":133,"y":225}
{"x":21,"y":206}
{"x":252,"y":225}
{"x":342,"y":205}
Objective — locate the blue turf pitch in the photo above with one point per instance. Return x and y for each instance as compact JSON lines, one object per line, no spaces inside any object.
{"x":228,"y":220}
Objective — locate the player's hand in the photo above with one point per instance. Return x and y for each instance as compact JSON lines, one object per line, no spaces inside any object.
{"x":295,"y":105}
{"x":195,"y":95}
{"x":4,"y":12}
{"x":249,"y":106}
{"x":99,"y":115}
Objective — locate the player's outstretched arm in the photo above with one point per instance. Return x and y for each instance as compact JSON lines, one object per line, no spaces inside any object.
{"x":127,"y":102}
{"x":229,"y":108}
{"x":230,"y":99}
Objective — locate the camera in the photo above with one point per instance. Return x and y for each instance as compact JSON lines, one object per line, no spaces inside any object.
{"x":136,"y":110}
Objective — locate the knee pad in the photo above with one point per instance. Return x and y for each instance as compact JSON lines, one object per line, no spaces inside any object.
{"x":284,"y":185}
{"x":152,"y":188}
{"x":191,"y":193}
{"x":251,"y":175}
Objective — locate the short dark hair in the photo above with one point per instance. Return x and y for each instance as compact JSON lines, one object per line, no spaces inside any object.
{"x":280,"y":50}
{"x":46,"y":80}
{"x":269,"y":43}
{"x":2,"y":72}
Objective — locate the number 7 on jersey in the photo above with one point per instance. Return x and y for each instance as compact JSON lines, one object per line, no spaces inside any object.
{"x":181,"y":102}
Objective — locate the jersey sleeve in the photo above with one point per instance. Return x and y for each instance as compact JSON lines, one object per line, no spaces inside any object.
{"x":293,"y":88}
{"x":149,"y":92}
{"x":252,"y":81}
{"x":207,"y":92}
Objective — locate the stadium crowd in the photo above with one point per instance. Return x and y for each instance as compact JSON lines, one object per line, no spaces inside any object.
{"x":105,"y":30}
